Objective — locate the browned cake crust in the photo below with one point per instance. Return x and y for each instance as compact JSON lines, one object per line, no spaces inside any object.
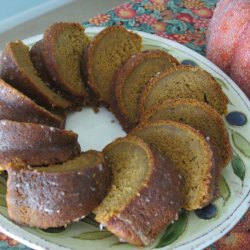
{"x":200,"y":116}
{"x":44,"y":199}
{"x":17,"y":107}
{"x":56,"y":54}
{"x":154,"y":205}
{"x":205,"y":119}
{"x":138,"y":70}
{"x":36,"y":57}
{"x":17,"y":69}
{"x":36,"y":144}
{"x":178,"y":82}
{"x":116,"y":52}
{"x":190,"y":153}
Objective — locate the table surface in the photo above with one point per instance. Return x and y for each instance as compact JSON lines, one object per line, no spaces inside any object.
{"x":185,"y":21}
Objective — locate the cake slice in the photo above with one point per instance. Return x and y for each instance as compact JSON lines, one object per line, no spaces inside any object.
{"x":36,"y":57}
{"x":184,"y":82}
{"x":105,"y":54}
{"x":145,"y":193}
{"x":17,"y":69}
{"x":190,"y":154}
{"x":130,"y":80}
{"x":57,"y":195}
{"x":200,"y":116}
{"x":35,"y":144}
{"x":17,"y":107}
{"x":62,"y":49}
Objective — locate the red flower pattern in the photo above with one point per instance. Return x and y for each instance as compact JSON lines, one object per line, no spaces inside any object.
{"x":203,"y":12}
{"x":9,"y":241}
{"x":148,"y":19}
{"x":155,"y":6}
{"x":180,"y":38}
{"x":185,"y":17}
{"x":159,"y":26}
{"x":125,"y":13}
{"x":159,"y":1}
{"x":99,"y":19}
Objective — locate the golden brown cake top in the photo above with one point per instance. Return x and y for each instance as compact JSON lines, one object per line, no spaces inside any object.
{"x":63,"y":46}
{"x":55,"y":195}
{"x":17,"y":107}
{"x":190,"y":153}
{"x":17,"y":69}
{"x":142,"y":178}
{"x":131,"y":78}
{"x":184,"y":82}
{"x":36,"y":144}
{"x":105,"y":54}
{"x":200,"y":116}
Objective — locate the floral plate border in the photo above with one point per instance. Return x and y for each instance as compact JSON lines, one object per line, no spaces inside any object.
{"x":237,"y":175}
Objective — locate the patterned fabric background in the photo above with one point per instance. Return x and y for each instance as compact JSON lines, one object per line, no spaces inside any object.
{"x":186,"y":22}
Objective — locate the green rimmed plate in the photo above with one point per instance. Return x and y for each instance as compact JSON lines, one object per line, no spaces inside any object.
{"x":190,"y":232}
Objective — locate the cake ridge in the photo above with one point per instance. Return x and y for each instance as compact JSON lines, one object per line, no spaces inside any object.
{"x":129,"y":80}
{"x":132,"y":219}
{"x":21,"y":74}
{"x":18,"y":107}
{"x":51,"y":47}
{"x":180,"y":142}
{"x":205,"y":88}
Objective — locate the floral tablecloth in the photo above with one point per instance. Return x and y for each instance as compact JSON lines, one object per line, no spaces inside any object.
{"x":185,"y":21}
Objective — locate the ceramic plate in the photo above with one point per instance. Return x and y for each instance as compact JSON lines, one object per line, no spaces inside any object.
{"x":191,"y":231}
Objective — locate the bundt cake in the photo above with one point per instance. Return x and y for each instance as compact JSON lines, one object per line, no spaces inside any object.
{"x":130,"y":80}
{"x":138,"y":184}
{"x":17,"y":69}
{"x":35,"y":144}
{"x":105,"y":54}
{"x":200,"y":116}
{"x":191,"y":155}
{"x":56,"y":195}
{"x":61,"y":51}
{"x":17,"y":107}
{"x":145,"y":193}
{"x":184,"y":82}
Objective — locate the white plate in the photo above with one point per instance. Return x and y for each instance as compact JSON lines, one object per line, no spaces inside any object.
{"x":97,"y":130}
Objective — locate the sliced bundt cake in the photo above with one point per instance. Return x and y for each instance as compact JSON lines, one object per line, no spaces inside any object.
{"x":132,"y":77}
{"x":17,"y":69}
{"x":184,"y":82}
{"x":191,"y":155}
{"x":63,"y":45}
{"x":36,"y":57}
{"x":105,"y":54}
{"x":200,"y":116}
{"x":35,"y":144}
{"x":57,"y":195}
{"x":145,"y":192}
{"x":17,"y":107}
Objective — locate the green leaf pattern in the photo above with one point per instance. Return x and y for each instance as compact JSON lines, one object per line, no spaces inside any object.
{"x":173,"y":231}
{"x":95,"y":235}
{"x":241,"y":143}
{"x":238,"y":167}
{"x":224,"y":189}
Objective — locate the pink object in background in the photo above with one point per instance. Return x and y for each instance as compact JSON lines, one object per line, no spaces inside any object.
{"x":227,"y":41}
{"x":240,"y":67}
